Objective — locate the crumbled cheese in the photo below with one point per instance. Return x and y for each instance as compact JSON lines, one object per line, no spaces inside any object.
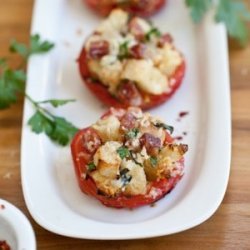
{"x":108,"y":74}
{"x":136,"y":112}
{"x":138,"y":183}
{"x":108,"y":59}
{"x":147,"y":77}
{"x":155,"y":192}
{"x":108,"y":154}
{"x":108,"y":128}
{"x":105,"y":184}
{"x":145,"y":121}
{"x":116,"y":21}
{"x":143,"y":24}
{"x":171,"y":59}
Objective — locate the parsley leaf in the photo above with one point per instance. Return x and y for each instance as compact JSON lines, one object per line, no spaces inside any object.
{"x":234,"y":14}
{"x":124,"y":50}
{"x":132,"y":133}
{"x":165,"y":126}
{"x":153,"y":32}
{"x":63,"y":131}
{"x":198,"y":8}
{"x":40,"y":123}
{"x":37,"y":46}
{"x":153,"y":161}
{"x":91,"y":166}
{"x":57,"y":102}
{"x":11,"y":83}
{"x":123,"y":152}
{"x":56,"y":128}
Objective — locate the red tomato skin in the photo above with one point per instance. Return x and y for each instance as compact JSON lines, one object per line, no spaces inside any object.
{"x":88,"y":186}
{"x":101,"y":92}
{"x":104,"y":10}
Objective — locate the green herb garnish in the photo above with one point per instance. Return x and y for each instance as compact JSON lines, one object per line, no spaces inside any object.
{"x":134,"y":159}
{"x":124,"y":50}
{"x":57,"y":102}
{"x":198,"y":8}
{"x":165,"y":126}
{"x":91,"y":166}
{"x":234,"y":14}
{"x":125,"y":178}
{"x":132,"y":133}
{"x":12,"y":83}
{"x":154,"y":32}
{"x":56,"y":128}
{"x":153,"y":161}
{"x":37,"y":46}
{"x":123,"y":152}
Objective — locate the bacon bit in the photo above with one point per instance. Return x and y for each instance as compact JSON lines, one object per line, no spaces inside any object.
{"x":136,"y":29}
{"x":91,"y":141}
{"x":2,"y":206}
{"x":4,"y":245}
{"x":151,"y":143}
{"x":138,"y":51}
{"x":166,"y":38}
{"x":129,"y":95}
{"x":98,"y":49}
{"x":183,"y":113}
{"x":128,"y":121}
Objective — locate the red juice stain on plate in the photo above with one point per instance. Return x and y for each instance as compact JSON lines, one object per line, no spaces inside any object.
{"x":178,"y":138}
{"x":183,"y":113}
{"x":4,"y":245}
{"x":2,"y":207}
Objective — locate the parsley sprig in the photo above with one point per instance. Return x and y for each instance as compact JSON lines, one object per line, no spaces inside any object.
{"x":36,"y":46}
{"x":56,"y":128}
{"x":233,"y":13}
{"x":12,"y":84}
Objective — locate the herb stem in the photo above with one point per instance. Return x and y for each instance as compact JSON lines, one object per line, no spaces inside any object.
{"x":39,"y":108}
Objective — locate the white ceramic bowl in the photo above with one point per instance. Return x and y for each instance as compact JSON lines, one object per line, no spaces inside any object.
{"x":15,"y":228}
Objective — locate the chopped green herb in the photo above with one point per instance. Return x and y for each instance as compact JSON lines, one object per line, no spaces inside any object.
{"x":153,"y":161}
{"x":132,"y":133}
{"x":124,"y":50}
{"x":165,"y":126}
{"x":91,"y":166}
{"x":57,"y":102}
{"x":153,"y":32}
{"x":125,"y":178}
{"x":123,"y":152}
{"x":134,"y":159}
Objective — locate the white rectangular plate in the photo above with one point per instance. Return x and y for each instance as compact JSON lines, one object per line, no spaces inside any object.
{"x":49,"y":183}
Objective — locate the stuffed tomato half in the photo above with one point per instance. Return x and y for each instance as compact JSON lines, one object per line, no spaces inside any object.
{"x":136,"y":7}
{"x":127,"y":159}
{"x":128,"y":62}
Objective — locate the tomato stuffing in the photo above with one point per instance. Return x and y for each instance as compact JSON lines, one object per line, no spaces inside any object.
{"x":127,"y":159}
{"x":130,"y":63}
